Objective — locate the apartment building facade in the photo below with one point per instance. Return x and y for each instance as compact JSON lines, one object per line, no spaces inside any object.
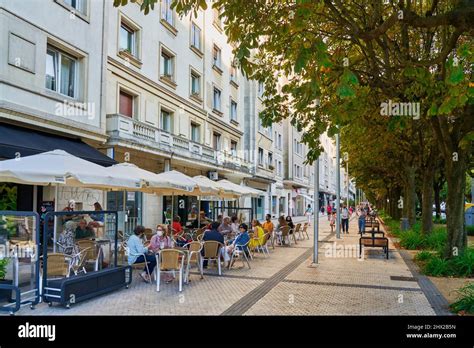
{"x":159,"y":91}
{"x":51,"y":88}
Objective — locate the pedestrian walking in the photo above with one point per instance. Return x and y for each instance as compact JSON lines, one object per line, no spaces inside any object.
{"x":345,"y":219}
{"x":329,"y":210}
{"x":362,"y":215}
{"x":309,"y":213}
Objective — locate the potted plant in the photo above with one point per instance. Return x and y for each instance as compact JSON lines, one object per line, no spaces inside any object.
{"x":5,"y":295}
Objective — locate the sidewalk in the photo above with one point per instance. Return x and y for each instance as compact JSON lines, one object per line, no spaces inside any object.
{"x":282,"y":284}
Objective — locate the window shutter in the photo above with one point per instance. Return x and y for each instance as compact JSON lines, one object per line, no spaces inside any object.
{"x":126,"y":104}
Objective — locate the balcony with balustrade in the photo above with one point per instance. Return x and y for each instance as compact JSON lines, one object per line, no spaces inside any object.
{"x":125,"y":129}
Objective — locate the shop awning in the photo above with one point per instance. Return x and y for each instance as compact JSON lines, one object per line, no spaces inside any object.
{"x":29,"y":142}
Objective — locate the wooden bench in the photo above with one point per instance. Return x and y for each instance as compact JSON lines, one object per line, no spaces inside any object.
{"x":373,"y":242}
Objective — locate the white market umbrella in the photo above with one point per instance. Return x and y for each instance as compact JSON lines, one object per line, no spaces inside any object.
{"x":204,"y":181}
{"x":58,"y":167}
{"x":241,"y":190}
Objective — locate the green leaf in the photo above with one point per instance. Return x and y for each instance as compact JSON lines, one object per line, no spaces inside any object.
{"x":456,"y":75}
{"x":301,"y":60}
{"x":345,"y":91}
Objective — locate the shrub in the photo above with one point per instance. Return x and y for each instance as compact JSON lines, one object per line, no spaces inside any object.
{"x":412,"y":240}
{"x":439,"y":221}
{"x":466,"y":300}
{"x":470,"y":230}
{"x":463,"y":264}
{"x":436,"y":240}
{"x":436,"y":267}
{"x":423,"y":255}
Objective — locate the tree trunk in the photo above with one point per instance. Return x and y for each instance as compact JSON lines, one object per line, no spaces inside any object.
{"x":456,"y":179}
{"x":437,"y":189}
{"x":427,"y":201}
{"x":410,"y":197}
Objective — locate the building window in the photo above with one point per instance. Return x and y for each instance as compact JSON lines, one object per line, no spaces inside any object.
{"x":128,"y":39}
{"x":167,"y":12}
{"x":195,"y":84}
{"x":260,"y":156}
{"x":217,"y":18}
{"x":167,"y":121}
{"x":233,"y":148}
{"x":279,"y":169}
{"x":233,"y":110}
{"x":279,"y":142}
{"x":216,"y":102}
{"x":216,"y":57}
{"x":79,"y":5}
{"x":216,"y":141}
{"x":270,"y":160}
{"x":260,"y":89}
{"x":195,"y":132}
{"x":195,"y":36}
{"x":233,"y":73}
{"x":167,"y":65}
{"x":126,"y":104}
{"x":61,"y":72}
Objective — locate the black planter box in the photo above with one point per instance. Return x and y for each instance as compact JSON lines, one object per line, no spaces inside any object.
{"x":81,"y":287}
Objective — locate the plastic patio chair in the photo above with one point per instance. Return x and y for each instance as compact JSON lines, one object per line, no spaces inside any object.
{"x":168,"y":260}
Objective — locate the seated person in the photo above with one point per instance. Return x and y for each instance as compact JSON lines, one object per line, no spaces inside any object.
{"x":177,"y":230}
{"x":258,"y":235}
{"x":138,"y":253}
{"x":160,"y":240}
{"x":83,"y":230}
{"x":98,"y":218}
{"x":234,"y":225}
{"x":66,"y":242}
{"x":212,"y":234}
{"x":240,"y":240}
{"x":268,"y":224}
{"x":225,"y":226}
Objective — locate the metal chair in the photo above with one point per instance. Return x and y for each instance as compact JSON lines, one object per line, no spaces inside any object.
{"x":138,"y":264}
{"x":240,"y":252}
{"x":285,"y":234}
{"x":168,"y":260}
{"x":194,"y":257}
{"x":296,"y":230}
{"x":93,"y":254}
{"x":305,"y":230}
{"x":212,"y":252}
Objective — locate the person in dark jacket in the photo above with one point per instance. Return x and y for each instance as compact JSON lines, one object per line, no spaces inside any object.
{"x":212,"y":234}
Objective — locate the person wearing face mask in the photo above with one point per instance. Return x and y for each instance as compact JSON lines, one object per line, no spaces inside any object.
{"x":160,"y":240}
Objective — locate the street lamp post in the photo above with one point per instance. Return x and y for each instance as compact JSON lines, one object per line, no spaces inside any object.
{"x":347,"y":174}
{"x":338,"y":188}
{"x":316,"y":211}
